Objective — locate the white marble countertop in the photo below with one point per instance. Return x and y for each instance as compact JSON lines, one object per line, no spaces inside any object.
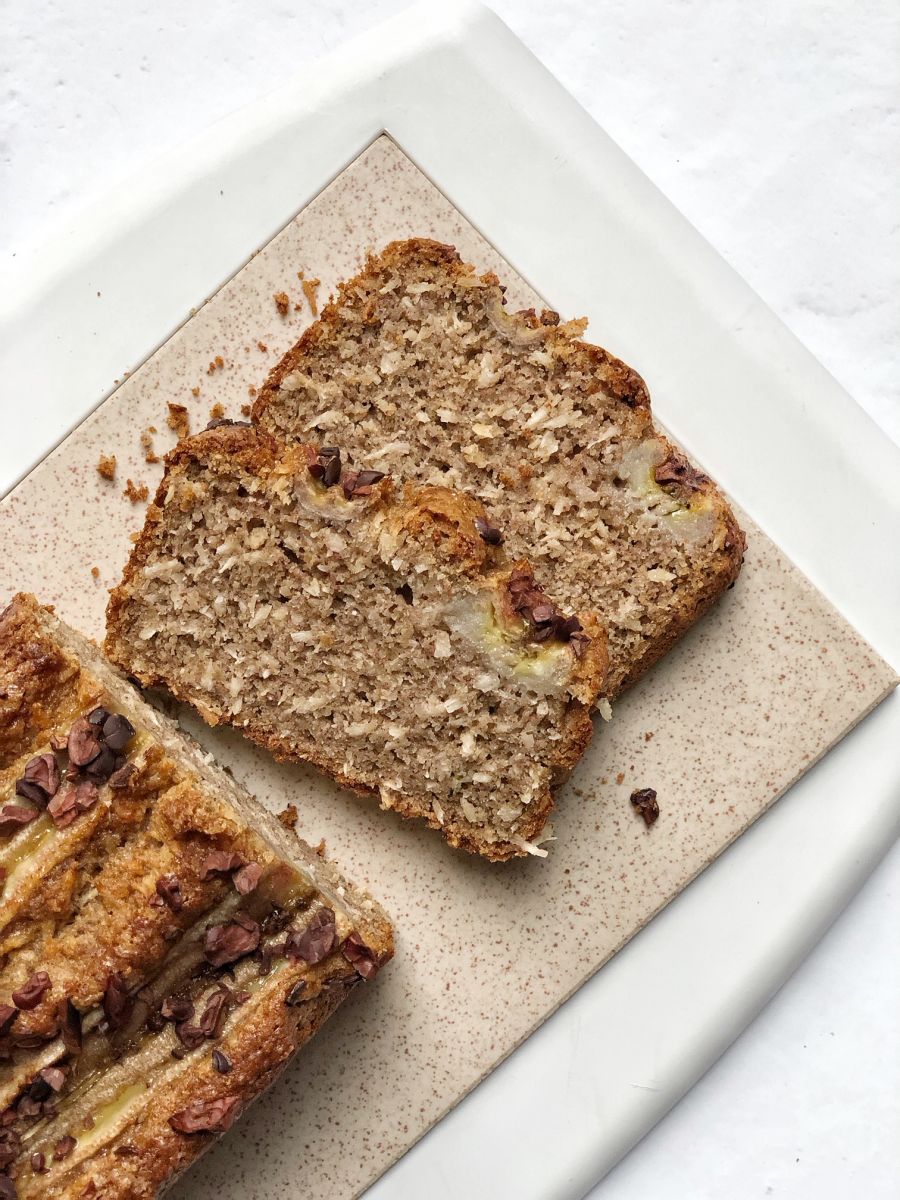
{"x":774,"y":128}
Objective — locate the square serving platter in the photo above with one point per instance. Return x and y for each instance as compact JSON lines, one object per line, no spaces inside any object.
{"x":484,"y":957}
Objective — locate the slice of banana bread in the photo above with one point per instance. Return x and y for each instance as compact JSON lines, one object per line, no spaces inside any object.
{"x":374,"y":630}
{"x":417,"y":361}
{"x":166,"y":945}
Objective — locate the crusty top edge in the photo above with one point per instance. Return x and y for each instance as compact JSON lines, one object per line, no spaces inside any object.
{"x":620,"y":380}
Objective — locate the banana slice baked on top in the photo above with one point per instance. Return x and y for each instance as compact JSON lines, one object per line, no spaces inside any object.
{"x":375,"y":630}
{"x":166,"y":945}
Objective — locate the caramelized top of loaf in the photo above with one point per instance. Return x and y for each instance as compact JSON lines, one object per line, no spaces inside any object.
{"x":151,"y":917}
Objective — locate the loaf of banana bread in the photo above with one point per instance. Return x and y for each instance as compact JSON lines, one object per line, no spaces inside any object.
{"x":166,"y":944}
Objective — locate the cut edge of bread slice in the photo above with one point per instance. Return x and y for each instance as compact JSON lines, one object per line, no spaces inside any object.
{"x":442,"y":527}
{"x":653,"y":471}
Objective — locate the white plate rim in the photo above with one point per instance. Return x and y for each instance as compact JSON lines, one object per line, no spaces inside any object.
{"x":457,"y":90}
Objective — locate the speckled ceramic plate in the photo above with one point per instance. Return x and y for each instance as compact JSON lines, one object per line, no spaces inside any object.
{"x":742,"y":708}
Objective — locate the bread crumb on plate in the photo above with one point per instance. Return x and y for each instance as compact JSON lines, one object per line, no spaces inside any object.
{"x":310,"y":291}
{"x":150,"y":455}
{"x":137,"y":493}
{"x":106,"y":466}
{"x":178,"y":419}
{"x":289,"y":816}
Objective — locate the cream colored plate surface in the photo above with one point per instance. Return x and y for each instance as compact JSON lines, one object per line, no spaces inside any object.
{"x":731,"y":718}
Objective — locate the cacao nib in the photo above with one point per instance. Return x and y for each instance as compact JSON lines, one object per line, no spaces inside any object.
{"x":316,"y":941}
{"x":644,"y":802}
{"x":296,"y":994}
{"x":227,"y":943}
{"x":84,"y":742}
{"x":64,"y":1147}
{"x":40,"y":779}
{"x":487,"y":532}
{"x":31,"y":993}
{"x":176,"y":1008}
{"x":86,"y":795}
{"x":544,"y":618}
{"x":117,"y":731}
{"x":221,"y":422}
{"x":221,"y":1062}
{"x":9,"y":1147}
{"x":246,"y":878}
{"x":190,"y":1036}
{"x":220,"y":862}
{"x":168,"y":889}
{"x":332,"y":473}
{"x":122,"y":777}
{"x":14,"y":817}
{"x":155,"y":1022}
{"x":118,"y":1005}
{"x":63,"y":808}
{"x":207,"y":1116}
{"x":104,"y":765}
{"x":360,"y":483}
{"x":69,"y":1026}
{"x":47,"y":1081}
{"x":54,"y":1076}
{"x":215,"y":1013}
{"x":29,"y":1107}
{"x":361,"y":956}
{"x":678,"y":471}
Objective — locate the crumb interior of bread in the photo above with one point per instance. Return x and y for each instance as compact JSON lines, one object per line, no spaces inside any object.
{"x":422,"y":368}
{"x":334,"y":635}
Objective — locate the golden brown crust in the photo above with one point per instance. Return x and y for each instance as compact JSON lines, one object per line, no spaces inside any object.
{"x":37,"y":682}
{"x":116,"y":930}
{"x":149,"y":1155}
{"x":449,"y":518}
{"x":87,"y":909}
{"x":622,"y":380}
